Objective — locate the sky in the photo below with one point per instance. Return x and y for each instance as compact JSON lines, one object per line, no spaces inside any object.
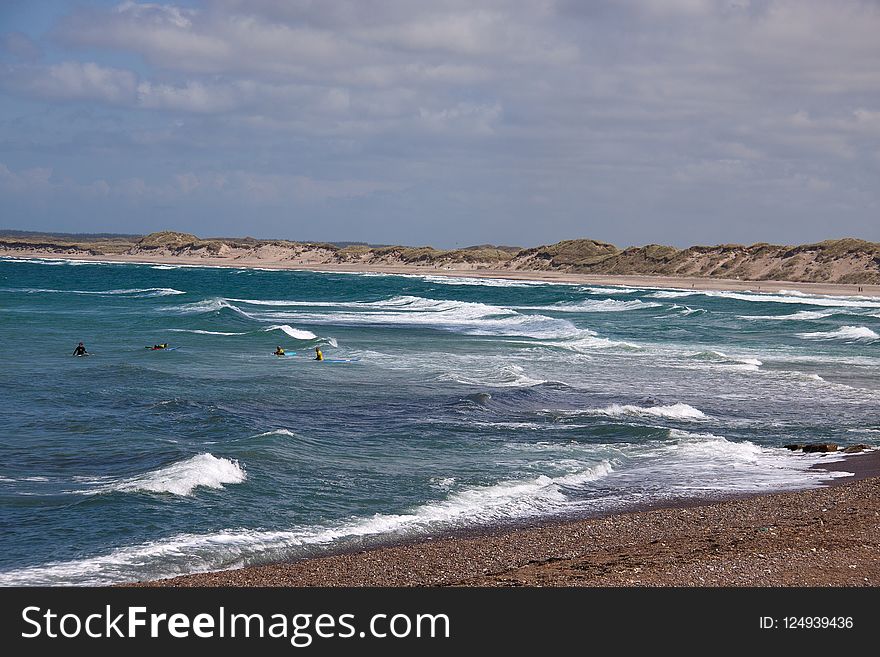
{"x":445,"y":123}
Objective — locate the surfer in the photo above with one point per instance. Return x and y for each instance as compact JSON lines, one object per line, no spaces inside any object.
{"x":80,"y":350}
{"x":164,"y":345}
{"x":318,"y":354}
{"x":279,"y":351}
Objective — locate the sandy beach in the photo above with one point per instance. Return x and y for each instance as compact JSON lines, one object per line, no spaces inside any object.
{"x":827,"y":536}
{"x":697,"y":283}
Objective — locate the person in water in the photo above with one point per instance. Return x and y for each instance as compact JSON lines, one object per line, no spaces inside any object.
{"x":318,"y":354}
{"x":80,"y":350}
{"x":279,"y":351}
{"x":164,"y":345}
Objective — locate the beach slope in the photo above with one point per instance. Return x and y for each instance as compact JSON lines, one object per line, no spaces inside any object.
{"x":821,"y":537}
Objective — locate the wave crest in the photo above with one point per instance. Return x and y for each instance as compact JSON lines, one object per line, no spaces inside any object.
{"x":183,"y":477}
{"x":844,"y":333}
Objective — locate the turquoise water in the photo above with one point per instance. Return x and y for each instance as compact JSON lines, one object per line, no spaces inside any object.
{"x":473,"y":403}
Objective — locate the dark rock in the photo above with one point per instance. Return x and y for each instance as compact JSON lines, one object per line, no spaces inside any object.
{"x":820,"y":447}
{"x":793,"y":447}
{"x":852,"y":449}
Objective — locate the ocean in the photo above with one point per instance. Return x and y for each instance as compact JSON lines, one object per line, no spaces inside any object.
{"x":472,"y":403}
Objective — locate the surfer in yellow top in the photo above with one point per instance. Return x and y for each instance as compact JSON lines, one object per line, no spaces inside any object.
{"x":279,"y":351}
{"x":318,"y":354}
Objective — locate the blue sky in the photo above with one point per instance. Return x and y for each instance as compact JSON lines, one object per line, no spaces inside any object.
{"x":451,"y":122}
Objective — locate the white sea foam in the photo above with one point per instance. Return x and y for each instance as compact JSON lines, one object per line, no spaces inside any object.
{"x":803,"y":315}
{"x":844,"y":333}
{"x":679,"y":411}
{"x":188,"y":553}
{"x":293,"y":302}
{"x":693,"y":311}
{"x":486,"y":282}
{"x":741,"y":465}
{"x":609,"y":290}
{"x":461,"y":316}
{"x":32,"y":261}
{"x":134,"y":293}
{"x":720,"y":356}
{"x":829,"y":301}
{"x":297,"y":334}
{"x":206,"y":306}
{"x":700,"y":464}
{"x":37,"y":479}
{"x":587,"y":342}
{"x":201,"y":332}
{"x":277,"y":432}
{"x":594,"y":306}
{"x":507,"y":376}
{"x":182,"y":477}
{"x":671,"y":294}
{"x":687,"y":310}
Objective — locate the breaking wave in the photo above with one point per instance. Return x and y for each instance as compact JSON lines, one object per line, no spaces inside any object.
{"x":297,"y":334}
{"x":183,"y":477}
{"x":844,"y":333}
{"x":189,"y":553}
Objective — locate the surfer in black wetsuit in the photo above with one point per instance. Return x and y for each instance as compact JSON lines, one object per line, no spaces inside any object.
{"x":319,"y":355}
{"x":80,"y":350}
{"x":279,"y":351}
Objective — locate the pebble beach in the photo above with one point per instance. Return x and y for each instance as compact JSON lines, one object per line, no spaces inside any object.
{"x":827,"y":536}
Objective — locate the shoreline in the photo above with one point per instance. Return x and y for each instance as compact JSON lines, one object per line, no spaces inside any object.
{"x":827,"y":536}
{"x":533,"y":275}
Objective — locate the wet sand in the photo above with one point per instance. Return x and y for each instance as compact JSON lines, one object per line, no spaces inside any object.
{"x":828,"y":536}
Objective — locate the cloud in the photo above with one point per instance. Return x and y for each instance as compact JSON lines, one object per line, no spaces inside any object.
{"x":70,"y":81}
{"x":628,"y":107}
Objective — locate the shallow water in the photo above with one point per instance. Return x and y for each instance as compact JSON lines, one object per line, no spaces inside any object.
{"x":473,"y":402}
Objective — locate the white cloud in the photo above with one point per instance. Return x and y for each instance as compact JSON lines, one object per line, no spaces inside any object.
{"x":192,"y":96}
{"x":71,"y":80}
{"x":462,"y":118}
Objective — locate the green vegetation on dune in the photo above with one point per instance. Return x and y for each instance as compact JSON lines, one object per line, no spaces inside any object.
{"x":847,"y":260}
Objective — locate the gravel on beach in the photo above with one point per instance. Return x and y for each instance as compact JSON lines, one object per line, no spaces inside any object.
{"x":827,"y":536}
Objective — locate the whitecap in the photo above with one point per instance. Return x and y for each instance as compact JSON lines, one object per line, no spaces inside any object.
{"x":844,"y":333}
{"x":678,"y":411}
{"x":201,"y":332}
{"x":182,"y":477}
{"x":297,"y":334}
{"x":190,"y":553}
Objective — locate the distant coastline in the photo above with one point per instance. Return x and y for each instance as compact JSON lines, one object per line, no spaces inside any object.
{"x":845,"y":266}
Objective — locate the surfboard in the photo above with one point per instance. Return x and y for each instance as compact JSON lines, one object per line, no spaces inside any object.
{"x":163,"y":349}
{"x":338,"y":360}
